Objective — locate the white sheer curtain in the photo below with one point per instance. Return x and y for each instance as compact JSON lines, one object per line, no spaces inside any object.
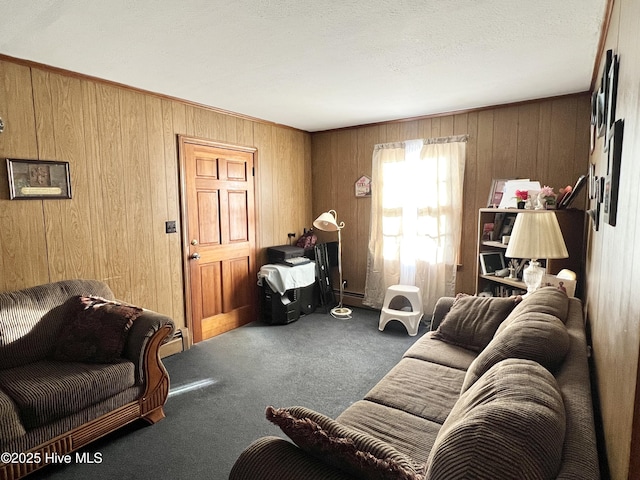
{"x":416,"y":218}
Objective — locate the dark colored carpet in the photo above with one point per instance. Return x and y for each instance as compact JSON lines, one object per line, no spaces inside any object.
{"x":319,"y":362}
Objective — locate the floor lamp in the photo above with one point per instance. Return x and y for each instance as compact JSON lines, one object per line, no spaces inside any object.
{"x":327,"y":222}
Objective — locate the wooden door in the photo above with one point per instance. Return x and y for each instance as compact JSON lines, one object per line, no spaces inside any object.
{"x":218,"y":208}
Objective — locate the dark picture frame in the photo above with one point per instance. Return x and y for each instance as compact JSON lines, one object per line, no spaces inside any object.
{"x":507,"y":225}
{"x":603,"y":96}
{"x":612,"y":92}
{"x":38,"y":179}
{"x":612,"y":181}
{"x":491,"y":262}
{"x":593,"y":127}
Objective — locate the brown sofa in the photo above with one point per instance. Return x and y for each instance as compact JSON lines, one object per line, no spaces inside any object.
{"x":49,"y":401}
{"x":496,"y":390}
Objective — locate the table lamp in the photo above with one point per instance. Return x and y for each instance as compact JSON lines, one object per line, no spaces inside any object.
{"x":328,"y":222}
{"x":536,"y":235}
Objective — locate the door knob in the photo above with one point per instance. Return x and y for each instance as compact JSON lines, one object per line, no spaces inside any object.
{"x":195,"y":256}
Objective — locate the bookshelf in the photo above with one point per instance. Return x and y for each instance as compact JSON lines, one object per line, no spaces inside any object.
{"x":494,"y":223}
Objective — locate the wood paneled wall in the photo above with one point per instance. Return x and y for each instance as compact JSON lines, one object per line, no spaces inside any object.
{"x":122,"y":148}
{"x":613,"y":265}
{"x":546,"y":140}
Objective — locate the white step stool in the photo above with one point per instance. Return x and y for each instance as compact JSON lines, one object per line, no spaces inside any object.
{"x":410,"y":319}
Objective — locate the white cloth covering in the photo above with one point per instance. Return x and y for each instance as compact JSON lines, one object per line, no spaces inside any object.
{"x":282,"y":278}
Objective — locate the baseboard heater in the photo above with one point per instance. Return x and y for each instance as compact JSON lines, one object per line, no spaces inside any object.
{"x":176,"y":343}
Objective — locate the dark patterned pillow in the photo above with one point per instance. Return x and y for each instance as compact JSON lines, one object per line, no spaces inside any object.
{"x":96,"y":333}
{"x":353,"y":452}
{"x":472,"y":321}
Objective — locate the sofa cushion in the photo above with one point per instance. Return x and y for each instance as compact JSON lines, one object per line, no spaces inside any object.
{"x":472,"y":321}
{"x":424,"y":389}
{"x":97,"y":332}
{"x":10,"y":424}
{"x":47,"y":390}
{"x":436,"y":351}
{"x":510,"y":424}
{"x":31,"y":318}
{"x":411,"y":435}
{"x":349,"y":450}
{"x":537,"y":336}
{"x":547,"y":300}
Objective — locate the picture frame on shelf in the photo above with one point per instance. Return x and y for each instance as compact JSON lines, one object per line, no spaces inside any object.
{"x":571,"y":196}
{"x":566,"y":285}
{"x":38,"y":179}
{"x":507,"y":225}
{"x":491,"y":262}
{"x":496,"y":192}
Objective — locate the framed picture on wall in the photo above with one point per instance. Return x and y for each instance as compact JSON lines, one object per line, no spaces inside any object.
{"x":604,"y":92}
{"x":38,"y":179}
{"x":612,"y":92}
{"x":612,"y":181}
{"x":603,"y":95}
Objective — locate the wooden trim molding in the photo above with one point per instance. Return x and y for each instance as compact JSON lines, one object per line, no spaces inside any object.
{"x":453,"y":112}
{"x":604,"y":31}
{"x":82,"y":76}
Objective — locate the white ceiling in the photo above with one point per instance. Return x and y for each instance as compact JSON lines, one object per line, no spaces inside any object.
{"x":318,"y":65}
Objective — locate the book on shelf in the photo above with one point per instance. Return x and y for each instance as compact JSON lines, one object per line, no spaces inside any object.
{"x":505,"y":291}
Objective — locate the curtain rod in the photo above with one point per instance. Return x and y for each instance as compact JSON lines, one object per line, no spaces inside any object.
{"x":425,"y":141}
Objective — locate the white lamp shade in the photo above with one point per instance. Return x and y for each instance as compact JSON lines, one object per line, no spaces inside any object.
{"x":327,"y":222}
{"x":536,"y":235}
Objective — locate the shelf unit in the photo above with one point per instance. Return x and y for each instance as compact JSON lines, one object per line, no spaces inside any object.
{"x":571,"y":222}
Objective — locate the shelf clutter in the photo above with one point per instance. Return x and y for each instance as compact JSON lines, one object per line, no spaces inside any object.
{"x":494,"y":269}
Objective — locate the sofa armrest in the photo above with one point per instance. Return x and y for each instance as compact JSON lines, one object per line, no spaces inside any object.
{"x":443,"y":305}
{"x":139,"y":337}
{"x":11,"y":427}
{"x":273,"y":457}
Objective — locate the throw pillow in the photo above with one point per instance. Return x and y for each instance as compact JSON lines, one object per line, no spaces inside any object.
{"x":97,"y":333}
{"x":353,"y":452}
{"x":548,"y":300}
{"x":539,"y":337}
{"x":510,"y":425}
{"x":472,"y":321}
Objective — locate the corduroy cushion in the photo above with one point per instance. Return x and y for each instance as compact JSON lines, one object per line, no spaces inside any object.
{"x":10,"y":425}
{"x":97,"y":333}
{"x":539,"y":337}
{"x":31,"y":318}
{"x":353,"y":452}
{"x":47,"y":390}
{"x":547,"y":300}
{"x":510,"y":425}
{"x":472,"y":321}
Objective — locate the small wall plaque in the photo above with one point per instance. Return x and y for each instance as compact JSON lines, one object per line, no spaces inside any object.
{"x":29,"y":179}
{"x":363,"y":186}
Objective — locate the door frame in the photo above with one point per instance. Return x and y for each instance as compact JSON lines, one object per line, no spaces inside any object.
{"x":182,"y":140}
